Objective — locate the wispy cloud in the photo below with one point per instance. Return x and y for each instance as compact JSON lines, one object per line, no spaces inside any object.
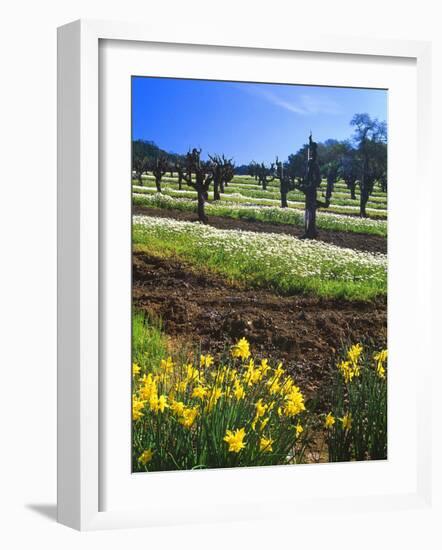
{"x":304,"y":104}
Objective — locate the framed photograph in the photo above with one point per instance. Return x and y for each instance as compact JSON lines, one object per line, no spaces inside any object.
{"x":234,"y":251}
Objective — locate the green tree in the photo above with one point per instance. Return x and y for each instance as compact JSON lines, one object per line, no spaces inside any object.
{"x":370,"y":138}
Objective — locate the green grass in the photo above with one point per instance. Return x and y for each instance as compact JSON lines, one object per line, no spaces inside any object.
{"x":269,"y":214}
{"x":148,"y":341}
{"x":265,"y":260}
{"x":248,"y":187}
{"x":252,"y":191}
{"x":238,"y":198}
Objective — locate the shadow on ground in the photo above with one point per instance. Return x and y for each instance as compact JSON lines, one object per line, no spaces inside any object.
{"x":48,"y":511}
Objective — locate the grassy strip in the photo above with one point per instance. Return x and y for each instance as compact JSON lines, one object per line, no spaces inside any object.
{"x":337,"y":193}
{"x":252,"y":183}
{"x":297,"y":196}
{"x":238,"y":198}
{"x":148,"y":341}
{"x":278,"y":262}
{"x":256,"y":192}
{"x":269,"y":214}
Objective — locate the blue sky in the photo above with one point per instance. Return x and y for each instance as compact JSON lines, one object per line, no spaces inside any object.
{"x":245,"y":121}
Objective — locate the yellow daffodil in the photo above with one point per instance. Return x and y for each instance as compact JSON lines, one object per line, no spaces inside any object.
{"x":299,"y":429}
{"x":232,"y":375}
{"x":199,"y":392}
{"x":286,"y":386}
{"x":264,"y":423}
{"x":260,"y":408}
{"x":206,"y":360}
{"x":182,"y":386}
{"x":192,"y":374}
{"x":145,"y":457}
{"x":167,"y":365}
{"x":329,"y":421}
{"x":252,"y":375}
{"x":265,"y":445}
{"x":235,"y":440}
{"x":137,"y":407}
{"x":158,"y":404}
{"x":238,"y":391}
{"x":135,"y":369}
{"x":294,"y":402}
{"x":213,"y":398}
{"x":354,"y":353}
{"x":380,"y":370}
{"x":274,"y":386}
{"x":177,"y":407}
{"x":349,"y":370}
{"x":188,"y":417}
{"x":264,"y":367}
{"x":148,"y":387}
{"x":381,"y":358}
{"x":241,"y":349}
{"x":346,"y":422}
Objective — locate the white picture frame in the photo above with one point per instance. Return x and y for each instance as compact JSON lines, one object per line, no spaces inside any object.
{"x":79,"y":274}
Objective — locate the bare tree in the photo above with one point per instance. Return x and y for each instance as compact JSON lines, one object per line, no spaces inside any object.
{"x":222,"y":170}
{"x":198,"y":176}
{"x":349,"y":171}
{"x":159,"y":168}
{"x":265,"y":175}
{"x":216,"y":168}
{"x":179,"y":169}
{"x":286,"y":183}
{"x":332,"y":177}
{"x":308,"y":183}
{"x":228,"y":172}
{"x":253,"y":170}
{"x":140,"y":166}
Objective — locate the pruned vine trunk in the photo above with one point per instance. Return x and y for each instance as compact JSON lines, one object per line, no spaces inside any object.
{"x":310,"y":231}
{"x":201,"y":204}
{"x":311,"y":183}
{"x":329,"y":191}
{"x":352,"y":187}
{"x":363,"y":201}
{"x":216,"y":195}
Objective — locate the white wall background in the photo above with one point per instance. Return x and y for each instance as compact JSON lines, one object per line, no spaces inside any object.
{"x":28,"y":265}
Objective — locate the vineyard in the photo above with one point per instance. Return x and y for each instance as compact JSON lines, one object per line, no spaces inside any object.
{"x":248,"y":273}
{"x":260,"y":306}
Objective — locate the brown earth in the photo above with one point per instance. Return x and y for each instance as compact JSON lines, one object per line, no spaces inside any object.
{"x":368,"y":243}
{"x":303,"y":331}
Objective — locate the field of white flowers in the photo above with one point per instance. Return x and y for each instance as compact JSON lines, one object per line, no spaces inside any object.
{"x":237,"y":195}
{"x":277,"y":261}
{"x":273,"y":214}
{"x":266,"y":200}
{"x":247,"y":189}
